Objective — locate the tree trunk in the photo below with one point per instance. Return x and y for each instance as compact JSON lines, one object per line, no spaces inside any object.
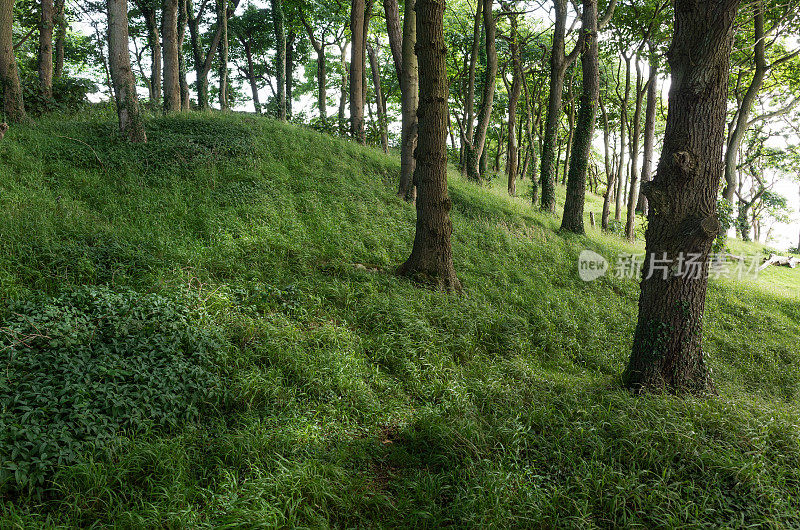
{"x":572,"y":220}
{"x":376,"y":83}
{"x":623,"y":125}
{"x":45,"y":62}
{"x":649,"y":130}
{"x":222,"y":71}
{"x":558,"y":66}
{"x":395,"y":35}
{"x":154,"y":43}
{"x":290,"y":55}
{"x":319,"y":48}
{"x":344,"y":91}
{"x":184,"y":85}
{"x":409,"y":101}
{"x":61,"y":37}
{"x":743,"y":114}
{"x":280,"y":56}
{"x":610,"y":174}
{"x":570,"y":133}
{"x":633,"y":193}
{"x":469,"y":103}
{"x":13,"y":104}
{"x":169,"y":34}
{"x":248,"y":53}
{"x":513,"y":98}
{"x":357,"y":61}
{"x":474,"y":168}
{"x":130,"y":120}
{"x":431,"y":259}
{"x":667,"y":346}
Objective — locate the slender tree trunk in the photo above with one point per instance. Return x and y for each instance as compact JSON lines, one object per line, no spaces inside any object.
{"x":513,"y":98}
{"x":409,"y":101}
{"x":10,"y":87}
{"x":572,"y":220}
{"x":182,"y":83}
{"x":130,"y":120}
{"x":154,"y":44}
{"x":667,"y":346}
{"x":222,"y":70}
{"x":474,"y":168}
{"x":610,"y":174}
{"x":280,"y":56}
{"x":61,"y":37}
{"x":169,"y":34}
{"x":623,"y":124}
{"x":431,"y":259}
{"x":395,"y":35}
{"x":344,"y":91}
{"x":290,"y":55}
{"x":570,"y":134}
{"x":649,"y":130}
{"x":376,"y":83}
{"x":746,"y":106}
{"x":558,"y":66}
{"x":469,"y":103}
{"x":319,"y":48}
{"x":45,"y":63}
{"x":633,"y":193}
{"x":248,"y":53}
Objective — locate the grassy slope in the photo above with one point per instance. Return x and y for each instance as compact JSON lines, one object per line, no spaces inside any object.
{"x":357,"y":399}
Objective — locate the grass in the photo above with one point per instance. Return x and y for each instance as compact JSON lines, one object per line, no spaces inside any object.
{"x":355,"y":399}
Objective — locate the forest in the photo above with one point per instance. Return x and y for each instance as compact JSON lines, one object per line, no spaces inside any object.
{"x":410,"y":263}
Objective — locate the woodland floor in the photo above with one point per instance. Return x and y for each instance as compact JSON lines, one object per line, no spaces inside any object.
{"x":344,"y":396}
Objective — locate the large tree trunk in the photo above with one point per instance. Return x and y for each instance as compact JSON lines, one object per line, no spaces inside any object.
{"x":357,"y":62}
{"x":667,"y":346}
{"x":431,"y":259}
{"x":169,"y":34}
{"x":13,"y":104}
{"x":572,"y":220}
{"x":409,"y":101}
{"x":61,"y":38}
{"x":513,"y":98}
{"x":474,"y":168}
{"x":743,"y":114}
{"x":46,"y":49}
{"x":633,"y":193}
{"x":222,"y":70}
{"x":130,"y":120}
{"x":469,"y":97}
{"x":649,"y":130}
{"x":381,"y":104}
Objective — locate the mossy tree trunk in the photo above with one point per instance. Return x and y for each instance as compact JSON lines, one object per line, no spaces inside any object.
{"x":130,"y":119}
{"x":431,"y":259}
{"x":667,"y":349}
{"x":10,"y":87}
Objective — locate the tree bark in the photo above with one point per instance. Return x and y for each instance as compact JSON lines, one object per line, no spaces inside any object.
{"x":667,"y":346}
{"x":130,"y":119}
{"x":610,"y":174}
{"x":148,"y":11}
{"x":45,"y":62}
{"x":169,"y":34}
{"x":409,"y":101}
{"x":572,"y":220}
{"x":431,"y":258}
{"x":13,"y":103}
{"x":182,"y":83}
{"x":290,"y":56}
{"x":344,"y":90}
{"x":623,"y":125}
{"x":248,"y":53}
{"x":474,"y":168}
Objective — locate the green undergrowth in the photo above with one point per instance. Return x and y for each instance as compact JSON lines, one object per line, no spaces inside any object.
{"x":335,"y":394}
